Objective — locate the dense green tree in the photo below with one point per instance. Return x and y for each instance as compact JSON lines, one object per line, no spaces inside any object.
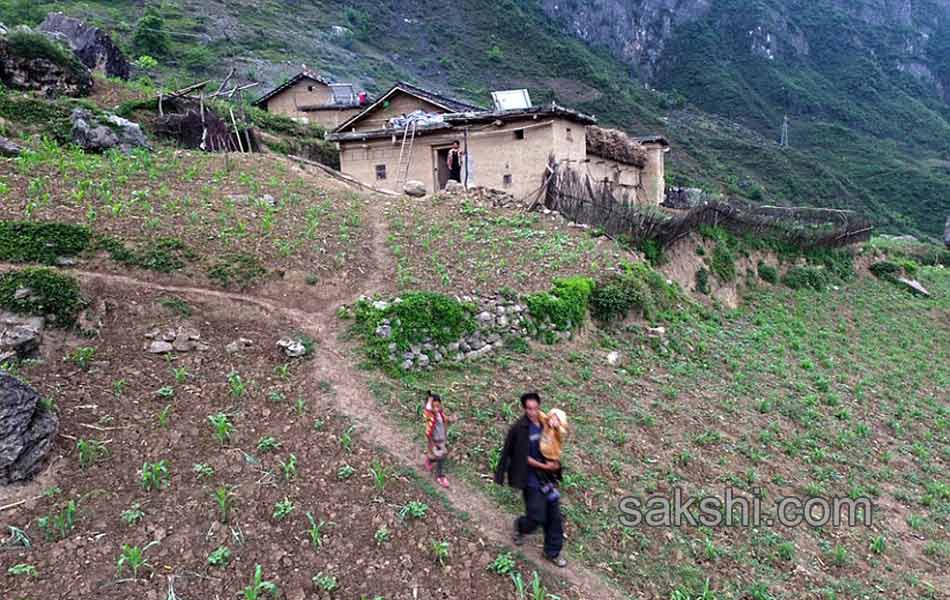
{"x":150,"y":36}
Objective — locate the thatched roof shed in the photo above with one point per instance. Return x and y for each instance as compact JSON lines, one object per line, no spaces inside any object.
{"x":615,"y":145}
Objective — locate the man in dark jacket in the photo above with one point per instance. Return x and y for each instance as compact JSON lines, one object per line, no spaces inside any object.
{"x":520,"y":461}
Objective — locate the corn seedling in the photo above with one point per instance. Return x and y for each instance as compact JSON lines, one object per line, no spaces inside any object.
{"x":58,"y":526}
{"x":345,"y":472}
{"x":276,"y":396}
{"x":224,"y":498}
{"x":283,"y":371}
{"x":503,"y":564}
{"x":441,"y":551}
{"x":289,"y":468}
{"x":82,"y":357}
{"x":300,"y":406}
{"x":163,"y":416}
{"x":220,"y":557}
{"x":165,"y":391}
{"x":521,"y":592}
{"x":267,"y":443}
{"x":380,"y":475}
{"x":90,"y":451}
{"x":259,"y":587}
{"x":878,"y":545}
{"x":414,"y":510}
{"x":283,"y":508}
{"x":222,"y":427}
{"x":181,"y":374}
{"x":203,"y":471}
{"x":537,"y":590}
{"x":346,"y":439}
{"x":133,"y":557}
{"x":22,"y":569}
{"x":154,"y":476}
{"x":327,"y":583}
{"x":236,"y":385}
{"x":133,"y":515}
{"x":315,"y":531}
{"x":117,"y":386}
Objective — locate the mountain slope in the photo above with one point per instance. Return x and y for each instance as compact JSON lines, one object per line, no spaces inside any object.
{"x":863,"y":82}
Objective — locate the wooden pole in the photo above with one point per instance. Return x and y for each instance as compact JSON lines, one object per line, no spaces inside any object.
{"x":237,"y":132}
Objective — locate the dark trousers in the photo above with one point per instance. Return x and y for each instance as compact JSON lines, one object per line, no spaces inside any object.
{"x":540,"y":511}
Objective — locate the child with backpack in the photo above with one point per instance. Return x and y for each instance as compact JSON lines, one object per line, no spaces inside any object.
{"x":437,"y":427}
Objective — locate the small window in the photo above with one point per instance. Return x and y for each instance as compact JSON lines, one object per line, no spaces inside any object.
{"x":380,"y":172}
{"x":519,"y":134}
{"x":506,"y":180}
{"x":309,"y":88}
{"x":570,"y":136}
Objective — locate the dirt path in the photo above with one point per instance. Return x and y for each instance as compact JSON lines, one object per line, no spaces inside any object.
{"x":353,"y":398}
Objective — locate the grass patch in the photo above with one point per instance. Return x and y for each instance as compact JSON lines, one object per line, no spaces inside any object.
{"x":236,"y":269}
{"x":24,"y":241}
{"x":41,"y":291}
{"x":164,"y":255}
{"x":815,"y":278}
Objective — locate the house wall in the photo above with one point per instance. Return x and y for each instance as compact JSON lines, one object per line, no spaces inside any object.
{"x":287,"y":104}
{"x":400,"y":103}
{"x":654,"y":176}
{"x":614,"y":172}
{"x":494,"y":153}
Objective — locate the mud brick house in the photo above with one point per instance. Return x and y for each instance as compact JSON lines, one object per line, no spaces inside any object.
{"x":505,"y":149}
{"x":309,"y":98}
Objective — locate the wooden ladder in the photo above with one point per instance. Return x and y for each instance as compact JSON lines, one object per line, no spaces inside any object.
{"x":405,"y":154}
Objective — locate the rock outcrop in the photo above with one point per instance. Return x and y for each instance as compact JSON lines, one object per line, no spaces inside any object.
{"x":98,"y":134}
{"x":9,"y":148}
{"x":20,"y":337}
{"x":92,"y":46}
{"x":27,"y":431}
{"x":413,"y":188}
{"x":39,"y":65}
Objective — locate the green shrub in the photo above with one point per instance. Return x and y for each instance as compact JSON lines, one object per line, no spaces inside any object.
{"x":49,"y":118}
{"x":798,"y":278}
{"x":638,"y":288}
{"x":652,"y":251}
{"x":838,"y":262}
{"x":237,"y":268}
{"x":150,"y":36}
{"x":565,"y":306}
{"x":50,"y":293}
{"x":702,"y":281}
{"x":24,"y":241}
{"x":416,"y":317}
{"x":723,"y":262}
{"x":767,"y":273}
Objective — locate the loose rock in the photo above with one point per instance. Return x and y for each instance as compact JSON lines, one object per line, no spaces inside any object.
{"x":26,"y":431}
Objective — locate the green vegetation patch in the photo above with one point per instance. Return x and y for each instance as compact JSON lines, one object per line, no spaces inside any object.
{"x":416,"y":317}
{"x":815,"y":278}
{"x":565,"y":306}
{"x":767,"y":273}
{"x":41,"y":291}
{"x":236,"y":269}
{"x":32,"y":45}
{"x":638,"y":288}
{"x":25,"y":241}
{"x":51,"y":118}
{"x":164,"y":255}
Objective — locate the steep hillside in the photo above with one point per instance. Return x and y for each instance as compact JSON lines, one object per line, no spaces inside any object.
{"x":863,"y":82}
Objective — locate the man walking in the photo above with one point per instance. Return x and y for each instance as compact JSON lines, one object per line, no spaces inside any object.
{"x":520,"y":461}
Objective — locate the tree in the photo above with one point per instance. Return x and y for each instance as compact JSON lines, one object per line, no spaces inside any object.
{"x":21,"y":12}
{"x":150,"y":37}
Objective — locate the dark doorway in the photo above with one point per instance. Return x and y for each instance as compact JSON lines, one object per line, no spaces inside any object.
{"x":441,"y":167}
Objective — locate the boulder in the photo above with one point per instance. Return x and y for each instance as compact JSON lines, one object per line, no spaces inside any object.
{"x":27,"y":431}
{"x":413,"y":188}
{"x":613,"y":358}
{"x":93,"y":134}
{"x":20,"y":337}
{"x":42,"y":67}
{"x":9,"y":148}
{"x":292,"y":348}
{"x":160,"y":347}
{"x":92,"y":46}
{"x":453,"y":187}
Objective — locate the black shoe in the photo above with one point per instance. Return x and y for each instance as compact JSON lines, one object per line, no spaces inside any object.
{"x":517,"y":538}
{"x":557,"y":560}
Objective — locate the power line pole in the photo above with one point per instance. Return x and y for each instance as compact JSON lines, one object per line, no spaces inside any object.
{"x":784,"y":142}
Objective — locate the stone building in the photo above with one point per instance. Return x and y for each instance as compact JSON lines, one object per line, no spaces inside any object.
{"x":309,"y":98}
{"x":504,"y":149}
